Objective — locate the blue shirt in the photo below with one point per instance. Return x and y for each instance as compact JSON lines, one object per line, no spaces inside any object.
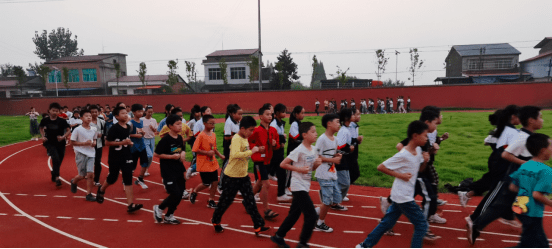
{"x":110,"y":117}
{"x":531,"y":176}
{"x":161,"y":124}
{"x":139,"y":144}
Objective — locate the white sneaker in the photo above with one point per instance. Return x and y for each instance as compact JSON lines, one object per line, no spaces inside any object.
{"x":219,"y":190}
{"x":359,"y":246}
{"x":257,"y":198}
{"x":463,"y":196}
{"x":186,"y":195}
{"x":239,"y":192}
{"x":284,"y":198}
{"x":384,"y":205}
{"x":141,"y":183}
{"x":157,"y":214}
{"x":288,"y":192}
{"x":345,"y":198}
{"x":323,"y":227}
{"x":441,"y":202}
{"x":189,"y":173}
{"x":436,"y":219}
{"x":513,"y":223}
{"x":147,"y":174}
{"x":317,"y":209}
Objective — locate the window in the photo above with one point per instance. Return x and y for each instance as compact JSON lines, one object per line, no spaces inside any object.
{"x":74,"y":75}
{"x":503,"y":64}
{"x":237,"y":73}
{"x":473,"y":64}
{"x":89,"y":75}
{"x":54,"y":76}
{"x":214,"y":74}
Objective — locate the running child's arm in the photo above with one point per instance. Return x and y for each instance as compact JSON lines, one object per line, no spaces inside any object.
{"x":336,"y":159}
{"x":118,"y":143}
{"x":511,"y":158}
{"x":424,"y":164}
{"x":317,"y":162}
{"x":540,"y":197}
{"x":403,"y":176}
{"x":514,"y":188}
{"x":286,"y":164}
{"x":168,"y":156}
{"x":66,"y":135}
{"x":221,"y":156}
{"x":236,"y":153}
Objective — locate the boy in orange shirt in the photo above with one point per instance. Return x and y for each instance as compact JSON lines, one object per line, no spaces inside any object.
{"x":205,"y":147}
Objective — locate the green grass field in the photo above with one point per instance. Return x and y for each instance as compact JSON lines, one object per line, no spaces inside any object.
{"x":463,"y":155}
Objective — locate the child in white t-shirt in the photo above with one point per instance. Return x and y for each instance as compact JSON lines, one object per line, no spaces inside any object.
{"x":84,"y":141}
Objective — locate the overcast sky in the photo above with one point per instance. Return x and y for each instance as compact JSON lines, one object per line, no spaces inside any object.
{"x":340,"y":33}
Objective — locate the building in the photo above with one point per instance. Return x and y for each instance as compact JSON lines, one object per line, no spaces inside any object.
{"x":540,"y":65}
{"x":482,"y":63}
{"x":351,"y":83}
{"x":129,"y":85}
{"x":88,"y":74}
{"x":237,"y":70}
{"x":32,"y":87}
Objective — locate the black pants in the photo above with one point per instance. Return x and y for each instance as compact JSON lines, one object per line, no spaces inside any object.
{"x":426,"y":189}
{"x":226,"y":150}
{"x":230,"y":189}
{"x":497,"y":167}
{"x":98,"y":164}
{"x":316,"y":110}
{"x":175,"y":188}
{"x":281,"y":174}
{"x":354,"y":170}
{"x":142,"y":155}
{"x":57,"y":153}
{"x":532,"y":234}
{"x":301,"y":203}
{"x":125,"y":166}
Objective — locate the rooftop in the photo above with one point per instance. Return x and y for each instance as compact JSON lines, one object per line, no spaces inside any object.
{"x":135,"y":78}
{"x":232,"y":52}
{"x":490,"y":49}
{"x":538,"y":56}
{"x":84,"y":58}
{"x":543,"y":42}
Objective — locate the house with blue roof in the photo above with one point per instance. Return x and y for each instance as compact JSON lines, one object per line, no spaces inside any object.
{"x":540,"y":65}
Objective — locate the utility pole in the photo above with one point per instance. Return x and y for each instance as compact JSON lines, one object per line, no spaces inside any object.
{"x":56,"y":70}
{"x":260,"y":53}
{"x":396,"y":64}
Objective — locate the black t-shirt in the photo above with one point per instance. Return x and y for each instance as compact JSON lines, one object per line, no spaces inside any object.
{"x":53,"y":129}
{"x":170,"y":168}
{"x":116,"y":134}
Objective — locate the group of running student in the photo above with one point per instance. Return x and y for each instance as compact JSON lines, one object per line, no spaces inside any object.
{"x":517,"y":180}
{"x":334,"y":158}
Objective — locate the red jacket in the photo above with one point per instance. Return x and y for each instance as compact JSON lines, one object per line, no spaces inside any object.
{"x":262,"y":137}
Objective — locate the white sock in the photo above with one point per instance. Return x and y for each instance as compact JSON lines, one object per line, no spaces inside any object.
{"x":320,"y":222}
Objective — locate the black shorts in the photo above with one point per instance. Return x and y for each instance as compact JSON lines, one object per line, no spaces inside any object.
{"x":260,"y":170}
{"x":126,"y":167}
{"x":325,"y":108}
{"x":175,"y":185}
{"x":208,"y":177}
{"x":143,"y":156}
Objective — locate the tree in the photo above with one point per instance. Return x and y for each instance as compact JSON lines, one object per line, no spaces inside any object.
{"x":223,"y":71}
{"x":381,"y":62}
{"x":314,"y":67}
{"x":341,"y":75}
{"x":117,"y":74}
{"x":173,"y":78}
{"x":253,"y":64}
{"x":391,"y":83}
{"x":415,"y":63}
{"x":191,"y":75}
{"x":40,"y":69}
{"x":21,"y":76}
{"x":55,"y":45}
{"x":65,"y":72}
{"x":7,"y":69}
{"x":142,"y":73}
{"x":288,"y":71}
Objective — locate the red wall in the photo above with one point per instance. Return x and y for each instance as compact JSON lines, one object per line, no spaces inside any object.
{"x":457,"y":96}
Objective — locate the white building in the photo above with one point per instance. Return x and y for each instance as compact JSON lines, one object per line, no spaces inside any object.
{"x":130,"y":85}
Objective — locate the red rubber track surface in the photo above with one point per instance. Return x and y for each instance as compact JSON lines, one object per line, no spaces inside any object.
{"x":26,"y":186}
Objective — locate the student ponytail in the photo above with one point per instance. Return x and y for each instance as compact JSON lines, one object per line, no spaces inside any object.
{"x":345,"y":115}
{"x":168,"y":108}
{"x":504,"y":119}
{"x":231,"y":109}
{"x":295,"y":111}
{"x":194,"y":110}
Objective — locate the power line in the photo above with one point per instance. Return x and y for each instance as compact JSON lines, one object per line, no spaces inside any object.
{"x":31,"y":1}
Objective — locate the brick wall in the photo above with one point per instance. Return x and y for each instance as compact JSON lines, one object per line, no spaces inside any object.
{"x":455,"y":96}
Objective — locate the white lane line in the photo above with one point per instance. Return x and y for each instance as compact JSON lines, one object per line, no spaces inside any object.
{"x":76,"y":196}
{"x":37,"y":220}
{"x":353,"y":231}
{"x":464,"y":238}
{"x":40,"y":195}
{"x":3,"y":214}
{"x":87,"y":218}
{"x":368,"y":207}
{"x":190,"y":223}
{"x":510,"y":241}
{"x":110,"y":219}
{"x":453,"y":211}
{"x":6,"y":193}
{"x":60,"y":196}
{"x":21,"y":194}
{"x":142,"y":199}
{"x":246,"y":226}
{"x":63,"y":217}
{"x":120,"y":198}
{"x":42,"y":216}
{"x":134,"y":221}
{"x":19,"y":215}
{"x":279,"y":228}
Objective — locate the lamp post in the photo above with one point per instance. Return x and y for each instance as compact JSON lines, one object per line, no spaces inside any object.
{"x":56,"y":79}
{"x":396,"y":64}
{"x":260,"y":54}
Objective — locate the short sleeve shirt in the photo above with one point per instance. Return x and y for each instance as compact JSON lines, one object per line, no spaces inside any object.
{"x":301,"y":157}
{"x":517,"y":148}
{"x":118,"y":153}
{"x":294,"y":130}
{"x":404,"y":162}
{"x":507,"y":137}
{"x":231,"y":127}
{"x":198,"y":127}
{"x":531,"y":176}
{"x":326,"y":148}
{"x":170,"y":168}
{"x":206,"y":143}
{"x":53,"y":129}
{"x":185,"y":132}
{"x":161,"y":124}
{"x":139,"y":144}
{"x":100,"y":128}
{"x":81,"y":134}
{"x":147,"y":124}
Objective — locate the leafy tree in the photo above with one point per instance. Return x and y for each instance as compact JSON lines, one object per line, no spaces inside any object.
{"x":287,"y":71}
{"x":314,"y":67}
{"x":381,"y":62}
{"x":223,"y":71}
{"x":55,"y":45}
{"x":117,"y":73}
{"x":191,"y":75}
{"x":253,"y":64}
{"x":341,"y":75}
{"x":298,"y":86}
{"x":415,"y":63}
{"x":65,"y":73}
{"x":142,"y":73}
{"x":21,"y":76}
{"x":391,"y":83}
{"x":42,"y":70}
{"x":7,"y":69}
{"x":173,"y":78}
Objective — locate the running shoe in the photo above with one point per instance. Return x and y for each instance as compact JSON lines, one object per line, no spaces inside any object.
{"x":463,"y":196}
{"x":390,"y":232}
{"x":470,"y":232}
{"x":317,"y":209}
{"x":257,"y":198}
{"x":147,"y":174}
{"x":193,"y":197}
{"x":141,"y":183}
{"x":431,"y":236}
{"x":284,"y":198}
{"x":97,"y":184}
{"x":441,"y":202}
{"x":261,"y":230}
{"x":58,"y":183}
{"x":73,"y":187}
{"x":359,"y":246}
{"x":345,"y":198}
{"x":211,"y":204}
{"x":513,"y":223}
{"x":288,"y":192}
{"x":100,"y":196}
{"x":186,"y":195}
{"x":218,"y":227}
{"x":90,"y":197}
{"x":279,"y":241}
{"x":436,"y":219}
{"x":133,"y":208}
{"x":189,"y":173}
{"x":384,"y":205}
{"x":338,"y":207}
{"x":171,"y":220}
{"x":157,"y":214}
{"x":323,"y":228}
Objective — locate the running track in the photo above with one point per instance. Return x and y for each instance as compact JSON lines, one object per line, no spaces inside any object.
{"x":34,"y":213}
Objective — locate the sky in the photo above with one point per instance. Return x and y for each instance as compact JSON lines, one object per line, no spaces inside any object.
{"x":340,"y":33}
